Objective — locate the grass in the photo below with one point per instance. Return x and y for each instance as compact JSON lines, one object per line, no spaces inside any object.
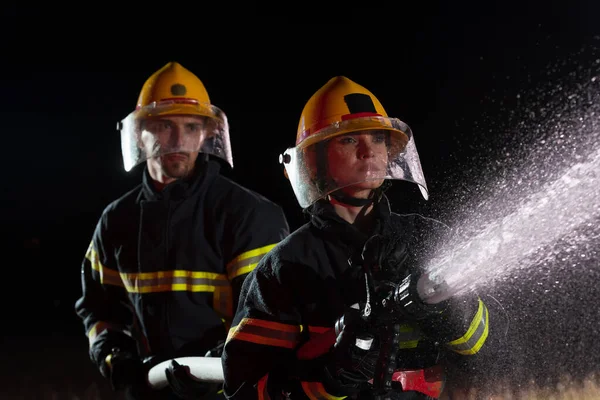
{"x":565,"y":389}
{"x":58,"y":368}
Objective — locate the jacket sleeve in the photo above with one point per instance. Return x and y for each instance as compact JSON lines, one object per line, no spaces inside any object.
{"x":104,"y":306}
{"x":259,"y":358}
{"x":256,"y":231}
{"x":264,"y":333}
{"x":463,"y":326}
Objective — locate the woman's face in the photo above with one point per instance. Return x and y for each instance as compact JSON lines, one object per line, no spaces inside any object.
{"x":357,"y":161}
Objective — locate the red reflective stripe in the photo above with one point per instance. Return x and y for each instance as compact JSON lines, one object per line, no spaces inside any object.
{"x":429,"y":381}
{"x":346,"y":117}
{"x":176,"y":100}
{"x":308,"y":132}
{"x":261,"y":388}
{"x":318,"y":329}
{"x":305,"y":133}
{"x":266,"y":333}
{"x":317,"y":345}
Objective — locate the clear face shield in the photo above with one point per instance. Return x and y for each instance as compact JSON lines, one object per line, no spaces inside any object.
{"x":339,"y":156}
{"x":174,"y":127}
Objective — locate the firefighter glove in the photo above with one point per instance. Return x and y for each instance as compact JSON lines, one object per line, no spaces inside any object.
{"x":216,"y":351}
{"x":353,"y":358}
{"x":185,"y":386}
{"x":124,"y":369}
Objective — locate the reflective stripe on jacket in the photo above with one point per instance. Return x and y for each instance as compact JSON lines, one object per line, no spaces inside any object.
{"x":306,"y":283}
{"x":165,"y":268}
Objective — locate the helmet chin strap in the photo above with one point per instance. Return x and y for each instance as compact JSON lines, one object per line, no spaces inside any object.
{"x":351,"y":201}
{"x":374,"y":197}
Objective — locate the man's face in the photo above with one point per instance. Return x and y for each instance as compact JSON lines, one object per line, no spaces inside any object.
{"x":171,"y":144}
{"x":358,"y":159}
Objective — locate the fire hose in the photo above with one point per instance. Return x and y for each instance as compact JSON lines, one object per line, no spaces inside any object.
{"x":205,"y":369}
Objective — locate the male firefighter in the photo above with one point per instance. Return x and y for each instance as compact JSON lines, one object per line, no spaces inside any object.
{"x":163,"y":271}
{"x":334,"y":311}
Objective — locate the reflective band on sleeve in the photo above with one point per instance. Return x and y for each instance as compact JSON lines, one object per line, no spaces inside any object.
{"x":102,"y":326}
{"x":409,"y":336}
{"x":247,"y":261}
{"x":261,"y":388}
{"x":266,"y":333}
{"x":107,"y":276}
{"x":317,"y":330}
{"x":471,"y":342}
{"x":316,"y":391}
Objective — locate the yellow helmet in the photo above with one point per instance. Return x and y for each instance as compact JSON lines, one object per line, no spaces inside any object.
{"x":173,"y":83}
{"x":339,"y":107}
{"x":342,"y":106}
{"x":174,"y":90}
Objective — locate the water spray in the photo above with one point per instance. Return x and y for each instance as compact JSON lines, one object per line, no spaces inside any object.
{"x":552,"y":191}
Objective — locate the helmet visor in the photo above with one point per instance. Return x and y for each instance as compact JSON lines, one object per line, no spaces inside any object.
{"x":336,"y":160}
{"x":174,"y":127}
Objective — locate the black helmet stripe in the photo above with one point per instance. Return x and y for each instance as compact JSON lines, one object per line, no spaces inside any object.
{"x":359,"y":103}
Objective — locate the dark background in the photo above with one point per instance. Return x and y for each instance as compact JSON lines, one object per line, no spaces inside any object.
{"x":68,"y":75}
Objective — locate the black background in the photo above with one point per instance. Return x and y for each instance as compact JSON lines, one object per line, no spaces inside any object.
{"x":69,"y":74}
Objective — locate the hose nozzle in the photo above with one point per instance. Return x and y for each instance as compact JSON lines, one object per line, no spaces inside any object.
{"x":432,"y":290}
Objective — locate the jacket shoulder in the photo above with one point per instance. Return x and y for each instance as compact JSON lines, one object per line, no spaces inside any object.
{"x":424,"y":234}
{"x":300,"y":241}
{"x":124,"y":203}
{"x":224,"y":188}
{"x":117,"y":211}
{"x":419,"y":223}
{"x":298,"y":248}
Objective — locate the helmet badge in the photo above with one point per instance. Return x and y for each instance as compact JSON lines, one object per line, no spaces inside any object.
{"x":178,"y":89}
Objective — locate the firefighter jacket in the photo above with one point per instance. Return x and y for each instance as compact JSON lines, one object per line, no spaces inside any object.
{"x":163,"y":271}
{"x":306,"y":283}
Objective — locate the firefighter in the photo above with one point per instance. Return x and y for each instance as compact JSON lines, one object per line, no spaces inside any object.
{"x":334,"y":311}
{"x":164,"y":268}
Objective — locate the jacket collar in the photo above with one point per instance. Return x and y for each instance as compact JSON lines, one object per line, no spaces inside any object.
{"x":325,"y":219}
{"x":181,"y":188}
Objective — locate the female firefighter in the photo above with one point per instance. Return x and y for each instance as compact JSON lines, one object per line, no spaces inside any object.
{"x":333,"y":310}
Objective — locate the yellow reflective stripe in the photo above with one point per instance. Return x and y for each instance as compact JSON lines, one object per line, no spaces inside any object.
{"x":409,"y":336}
{"x":316,"y":391}
{"x":409,"y":344}
{"x":476,"y":335}
{"x":102,"y":326}
{"x":161,"y":281}
{"x":266,"y":333}
{"x":173,"y":280}
{"x":107,"y":276}
{"x":247,"y":261}
{"x":90,"y":249}
{"x":261,"y":388}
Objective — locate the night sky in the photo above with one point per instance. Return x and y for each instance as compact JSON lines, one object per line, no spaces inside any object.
{"x":446,"y":70}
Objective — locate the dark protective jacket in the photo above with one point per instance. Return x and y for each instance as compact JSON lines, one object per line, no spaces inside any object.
{"x":306,"y":283}
{"x":163,"y":271}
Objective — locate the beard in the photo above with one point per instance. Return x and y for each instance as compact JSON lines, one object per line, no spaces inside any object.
{"x":176,"y":166}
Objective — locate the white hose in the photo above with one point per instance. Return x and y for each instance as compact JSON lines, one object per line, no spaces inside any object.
{"x":206,"y":369}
